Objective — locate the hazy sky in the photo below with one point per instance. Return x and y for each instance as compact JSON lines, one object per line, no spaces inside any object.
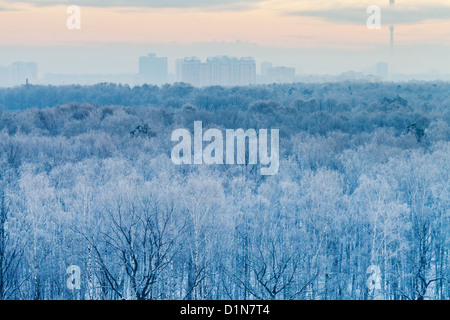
{"x":313,"y":36}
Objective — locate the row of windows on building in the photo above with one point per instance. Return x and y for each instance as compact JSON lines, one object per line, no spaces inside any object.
{"x":223,"y":71}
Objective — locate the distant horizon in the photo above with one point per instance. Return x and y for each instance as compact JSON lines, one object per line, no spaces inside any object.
{"x":314,"y":38}
{"x":111,"y":69}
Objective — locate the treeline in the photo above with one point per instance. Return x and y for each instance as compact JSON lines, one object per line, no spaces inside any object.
{"x":88,"y":181}
{"x":342,"y":95}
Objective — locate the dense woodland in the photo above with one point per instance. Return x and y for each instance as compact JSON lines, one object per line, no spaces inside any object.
{"x":86,"y":179}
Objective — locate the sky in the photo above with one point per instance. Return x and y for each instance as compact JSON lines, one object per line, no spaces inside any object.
{"x":323,"y":37}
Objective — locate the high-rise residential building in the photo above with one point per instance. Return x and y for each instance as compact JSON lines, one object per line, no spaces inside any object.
{"x":279,"y":74}
{"x":265,"y":67}
{"x":282,"y":74}
{"x":5,"y":76}
{"x":19,"y":73}
{"x":247,"y":71}
{"x":153,"y":69}
{"x":191,"y":70}
{"x":382,"y":70}
{"x":179,"y":63}
{"x":220,"y":70}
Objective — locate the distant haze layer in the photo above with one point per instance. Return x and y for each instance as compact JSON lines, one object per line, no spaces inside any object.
{"x":314,"y":37}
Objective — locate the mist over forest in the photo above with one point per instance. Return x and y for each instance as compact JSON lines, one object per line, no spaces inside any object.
{"x":86,"y":179}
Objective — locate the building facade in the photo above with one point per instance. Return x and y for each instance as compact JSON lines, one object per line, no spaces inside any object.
{"x":153,"y":69}
{"x":279,"y":74}
{"x":220,"y":70}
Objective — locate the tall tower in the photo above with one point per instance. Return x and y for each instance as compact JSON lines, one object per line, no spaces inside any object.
{"x":391,"y":28}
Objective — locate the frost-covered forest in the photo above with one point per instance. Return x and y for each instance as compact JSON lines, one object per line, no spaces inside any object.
{"x":86,"y":179}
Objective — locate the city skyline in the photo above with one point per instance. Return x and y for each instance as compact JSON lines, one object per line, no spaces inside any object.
{"x":220,"y":70}
{"x":315,"y":38}
{"x":152,"y":69}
